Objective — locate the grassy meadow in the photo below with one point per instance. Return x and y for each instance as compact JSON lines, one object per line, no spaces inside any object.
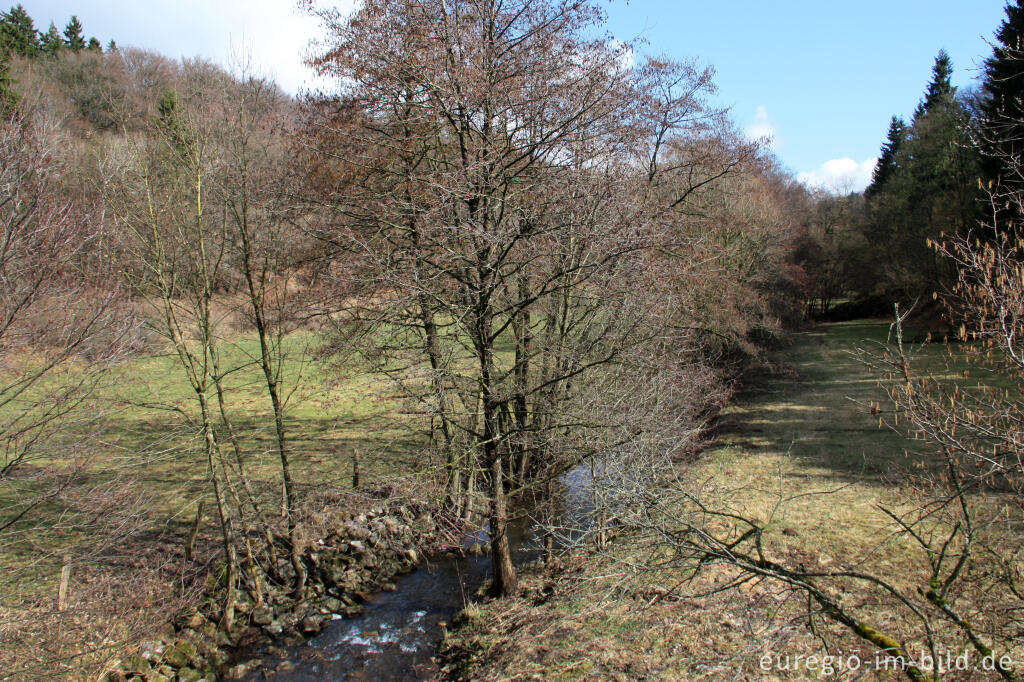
{"x":140,"y":472}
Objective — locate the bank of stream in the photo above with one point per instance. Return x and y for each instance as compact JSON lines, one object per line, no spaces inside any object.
{"x":397,"y":634}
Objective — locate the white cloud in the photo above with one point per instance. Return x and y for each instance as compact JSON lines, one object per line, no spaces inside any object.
{"x":762,"y":127}
{"x":840,"y":176}
{"x":275,"y":34}
{"x":627,"y":60}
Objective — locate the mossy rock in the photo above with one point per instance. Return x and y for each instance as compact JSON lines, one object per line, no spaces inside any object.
{"x":262,"y":615}
{"x":138,"y":665}
{"x":181,"y":654}
{"x":189,"y":675}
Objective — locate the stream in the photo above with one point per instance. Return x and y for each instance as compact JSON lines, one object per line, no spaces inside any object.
{"x":397,"y":635}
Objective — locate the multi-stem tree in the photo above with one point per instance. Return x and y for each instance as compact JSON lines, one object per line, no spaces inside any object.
{"x":162,"y":201}
{"x":498,"y":174}
{"x":252,"y":191}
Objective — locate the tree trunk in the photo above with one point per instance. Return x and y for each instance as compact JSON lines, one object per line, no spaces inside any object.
{"x":504,"y":581}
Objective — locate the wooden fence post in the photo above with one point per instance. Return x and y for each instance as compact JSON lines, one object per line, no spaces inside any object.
{"x":65,"y":579}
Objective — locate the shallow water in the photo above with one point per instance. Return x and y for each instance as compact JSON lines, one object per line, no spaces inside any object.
{"x":396,"y":636}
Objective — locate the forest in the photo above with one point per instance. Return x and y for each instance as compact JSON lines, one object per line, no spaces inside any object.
{"x":512,"y":305}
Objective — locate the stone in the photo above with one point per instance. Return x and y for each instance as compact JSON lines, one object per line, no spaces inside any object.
{"x":189,"y":675}
{"x":309,"y":625}
{"x":357,"y":547}
{"x":239,"y":671}
{"x":138,"y":665}
{"x":180,"y":654}
{"x":388,"y":587}
{"x":151,"y":650}
{"x":284,"y":666}
{"x":262,"y":615}
{"x":223,"y":639}
{"x":215,"y":658}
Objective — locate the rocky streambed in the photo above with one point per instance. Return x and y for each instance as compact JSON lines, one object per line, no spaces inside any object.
{"x":363,"y":554}
{"x":397,"y":633}
{"x":382,"y":591}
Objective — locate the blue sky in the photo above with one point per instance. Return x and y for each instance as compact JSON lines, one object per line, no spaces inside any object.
{"x":821,"y":77}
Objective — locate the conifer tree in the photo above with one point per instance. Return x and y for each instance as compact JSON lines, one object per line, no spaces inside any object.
{"x":1002,"y":107}
{"x":73,"y":38}
{"x":18,"y":33}
{"x":50,"y":43}
{"x":940,"y":90}
{"x":111,"y":46}
{"x":9,"y":99}
{"x":94,"y":45}
{"x":927,"y":187}
{"x":886,"y":165}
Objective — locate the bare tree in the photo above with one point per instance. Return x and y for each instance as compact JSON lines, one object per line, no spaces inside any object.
{"x":253,"y":190}
{"x":61,"y":324}
{"x":488,"y":183}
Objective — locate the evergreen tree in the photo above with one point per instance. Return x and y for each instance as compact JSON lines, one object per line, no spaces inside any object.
{"x":168,"y":117}
{"x":94,"y":45}
{"x":50,"y":43}
{"x":111,"y":46}
{"x":1002,"y":107}
{"x":9,"y":99}
{"x":18,"y":33}
{"x":927,"y":187}
{"x":73,"y":38}
{"x":940,"y":91}
{"x":886,"y":165}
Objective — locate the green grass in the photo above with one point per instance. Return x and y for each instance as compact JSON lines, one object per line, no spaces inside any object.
{"x":138,"y":432}
{"x":143,"y":411}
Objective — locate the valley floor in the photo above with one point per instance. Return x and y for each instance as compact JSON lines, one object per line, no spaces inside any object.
{"x":802,"y":446}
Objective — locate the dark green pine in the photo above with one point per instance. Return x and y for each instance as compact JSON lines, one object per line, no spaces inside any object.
{"x":50,"y":43}
{"x":940,"y":91}
{"x":1002,"y":106}
{"x":18,"y":32}
{"x":9,"y":98}
{"x":73,"y":38}
{"x":886,"y":165}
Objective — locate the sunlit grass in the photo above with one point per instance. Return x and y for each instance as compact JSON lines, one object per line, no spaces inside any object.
{"x":801,"y":451}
